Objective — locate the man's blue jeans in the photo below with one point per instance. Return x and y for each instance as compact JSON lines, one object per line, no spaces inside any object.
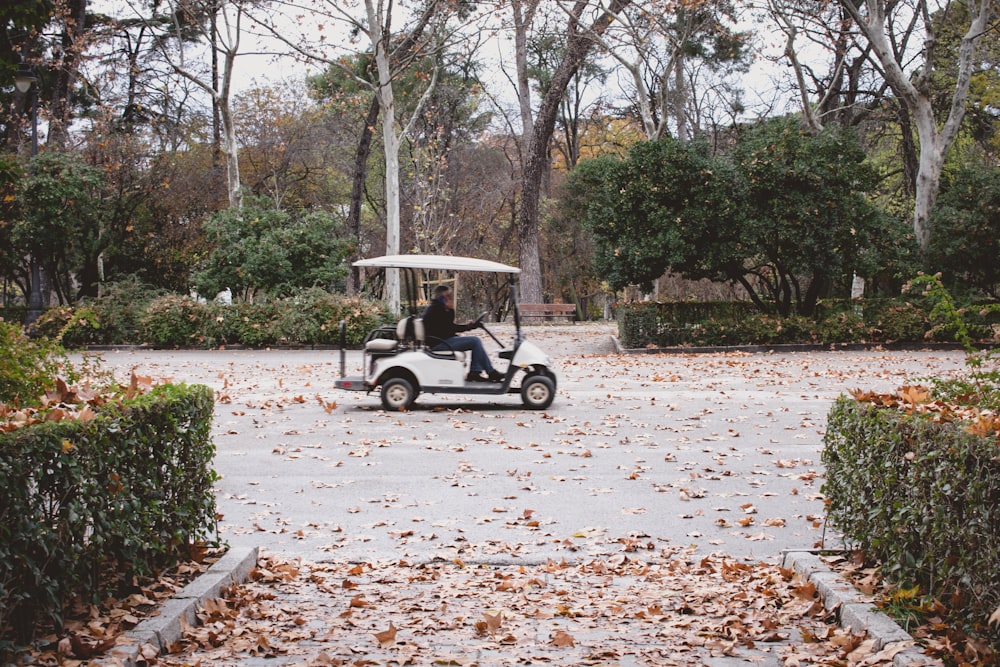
{"x":480,"y":360}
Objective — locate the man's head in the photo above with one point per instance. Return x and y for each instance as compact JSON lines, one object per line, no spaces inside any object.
{"x":443,"y":292}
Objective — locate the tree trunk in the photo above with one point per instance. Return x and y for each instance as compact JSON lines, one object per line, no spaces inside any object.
{"x":578,"y":44}
{"x":66,"y":70}
{"x":523,"y":16}
{"x":358,"y":189}
{"x":231,"y":148}
{"x":391,"y":142}
{"x":877,"y":26}
{"x":680,"y":99}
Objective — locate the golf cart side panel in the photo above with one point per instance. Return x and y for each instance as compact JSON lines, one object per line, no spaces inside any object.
{"x":426,"y":369}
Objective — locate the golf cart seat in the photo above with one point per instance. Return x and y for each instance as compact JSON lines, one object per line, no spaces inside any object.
{"x":409,"y":331}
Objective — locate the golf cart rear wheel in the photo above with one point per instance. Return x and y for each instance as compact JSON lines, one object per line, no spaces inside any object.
{"x":398,"y":394}
{"x":537,"y":392}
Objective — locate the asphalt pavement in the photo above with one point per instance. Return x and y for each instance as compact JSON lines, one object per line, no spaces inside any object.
{"x":715,"y":451}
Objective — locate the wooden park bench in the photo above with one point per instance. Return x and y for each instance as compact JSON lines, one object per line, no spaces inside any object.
{"x":547,"y":311}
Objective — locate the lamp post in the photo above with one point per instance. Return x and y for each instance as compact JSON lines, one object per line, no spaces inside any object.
{"x":25,"y":81}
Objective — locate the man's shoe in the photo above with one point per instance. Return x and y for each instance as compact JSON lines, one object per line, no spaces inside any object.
{"x":476,"y":377}
{"x":497,"y":376}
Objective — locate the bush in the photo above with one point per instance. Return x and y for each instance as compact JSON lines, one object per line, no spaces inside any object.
{"x":920,"y":497}
{"x":310,"y":318}
{"x":250,"y":324}
{"x":775,"y":330}
{"x":898,"y":322}
{"x":130,"y":488}
{"x":927,"y":314}
{"x":28,"y":367}
{"x":313,"y":318}
{"x":71,"y":327}
{"x":179,"y":321}
{"x":842,"y":328}
{"x":120,"y":310}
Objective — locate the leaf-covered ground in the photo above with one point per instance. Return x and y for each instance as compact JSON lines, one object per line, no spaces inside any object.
{"x":639,"y":520}
{"x":637,"y":606}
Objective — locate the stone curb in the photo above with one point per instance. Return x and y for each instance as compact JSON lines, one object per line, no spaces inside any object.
{"x":855,"y":611}
{"x":164,"y":629}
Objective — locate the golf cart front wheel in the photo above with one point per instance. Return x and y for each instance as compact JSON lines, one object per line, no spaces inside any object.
{"x":398,"y":394}
{"x":537,"y":392}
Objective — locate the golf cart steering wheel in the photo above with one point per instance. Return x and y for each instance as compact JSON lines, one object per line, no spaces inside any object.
{"x":479,"y":320}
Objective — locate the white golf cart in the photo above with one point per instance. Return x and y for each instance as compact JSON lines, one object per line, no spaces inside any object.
{"x":402,"y":364}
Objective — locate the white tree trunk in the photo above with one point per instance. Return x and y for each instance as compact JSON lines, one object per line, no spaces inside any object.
{"x":225,"y":40}
{"x":390,"y":142}
{"x":230,"y":147}
{"x":877,"y":27}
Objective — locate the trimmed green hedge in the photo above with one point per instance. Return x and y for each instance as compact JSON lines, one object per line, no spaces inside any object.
{"x":923,"y":498}
{"x":309,"y":318}
{"x":719,"y":323}
{"x":129,"y":489}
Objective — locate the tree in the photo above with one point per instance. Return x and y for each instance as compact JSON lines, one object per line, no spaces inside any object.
{"x":579,"y":42}
{"x":22,"y":21}
{"x":666,"y":205}
{"x":220,"y":26}
{"x":808,"y":215}
{"x":786,"y":217}
{"x":63,"y":220}
{"x":265,"y":250}
{"x":880,"y":24}
{"x":660,"y":45}
{"x":849,"y":88}
{"x":966,"y":230}
{"x":390,"y":58}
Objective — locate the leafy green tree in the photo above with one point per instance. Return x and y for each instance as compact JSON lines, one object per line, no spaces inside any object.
{"x":265,"y":250}
{"x":787,"y":217}
{"x":666,"y":205}
{"x":63,"y":220}
{"x":808,"y":215}
{"x":965,"y":227}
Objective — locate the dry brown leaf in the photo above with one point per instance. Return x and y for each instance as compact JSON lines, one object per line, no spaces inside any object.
{"x":562,"y":639}
{"x":386,"y":638}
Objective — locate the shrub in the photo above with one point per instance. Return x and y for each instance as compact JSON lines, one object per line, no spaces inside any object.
{"x":120,"y":309}
{"x":130,"y":488}
{"x":920,"y":497}
{"x":774,"y":330}
{"x":179,"y":321}
{"x":842,"y":328}
{"x":28,"y":367}
{"x":313,"y":318}
{"x":71,"y":327}
{"x":250,"y":324}
{"x":899,"y":322}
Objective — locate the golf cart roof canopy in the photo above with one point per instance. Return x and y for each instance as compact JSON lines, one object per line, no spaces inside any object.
{"x":438,"y":262}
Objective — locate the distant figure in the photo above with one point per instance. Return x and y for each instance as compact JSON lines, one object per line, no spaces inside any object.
{"x":225,"y":297}
{"x":440,"y":330}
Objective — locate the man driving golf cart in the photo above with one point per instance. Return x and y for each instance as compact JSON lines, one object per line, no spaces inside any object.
{"x":423,"y":354}
{"x":440,"y":331}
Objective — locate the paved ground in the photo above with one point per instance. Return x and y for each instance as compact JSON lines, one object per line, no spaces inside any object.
{"x":717,"y":452}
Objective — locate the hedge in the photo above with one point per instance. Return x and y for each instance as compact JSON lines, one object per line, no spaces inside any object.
{"x":879,"y":321}
{"x":129,"y":489}
{"x":922,"y":498}
{"x":171,"y":321}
